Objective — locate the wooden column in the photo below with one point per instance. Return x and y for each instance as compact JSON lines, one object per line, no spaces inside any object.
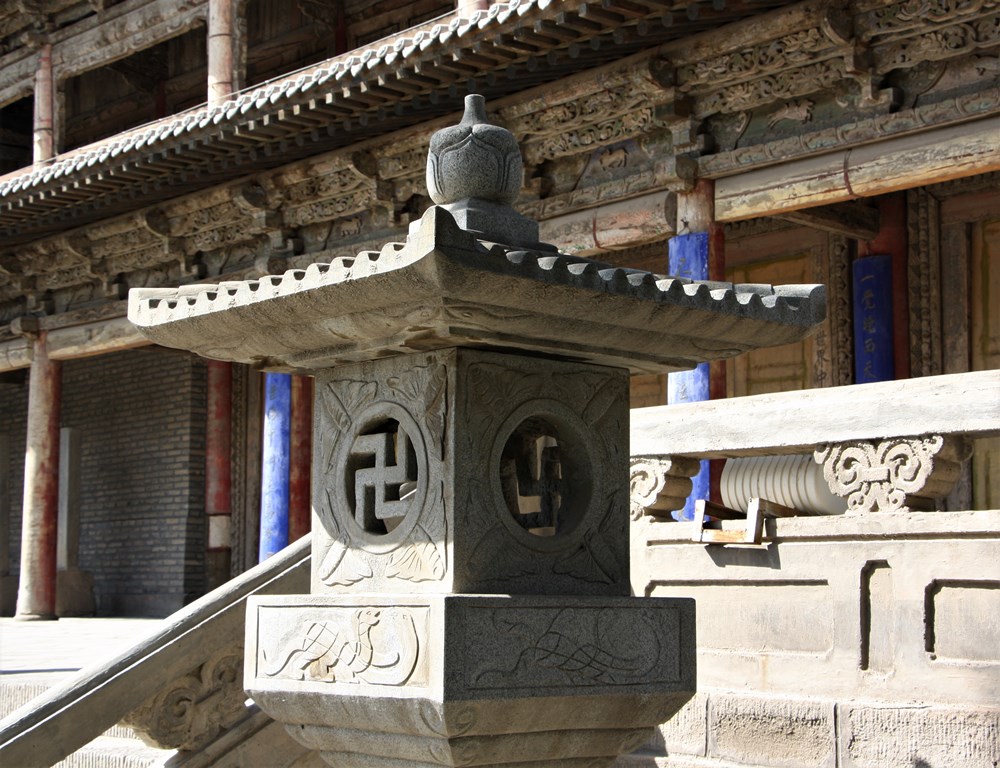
{"x":300,"y":459}
{"x":221,"y":43}
{"x":36,"y":595}
{"x":44,"y":147}
{"x":274,"y":465}
{"x":697,"y":252}
{"x":466,"y":8}
{"x":218,"y":471}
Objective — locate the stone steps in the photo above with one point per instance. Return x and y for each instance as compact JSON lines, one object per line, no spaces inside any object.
{"x":115,"y":751}
{"x":118,"y":747}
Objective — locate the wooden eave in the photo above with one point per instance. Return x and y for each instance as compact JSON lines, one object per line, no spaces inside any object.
{"x":396,"y":83}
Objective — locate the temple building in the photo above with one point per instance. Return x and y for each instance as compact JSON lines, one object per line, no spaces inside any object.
{"x":849,"y":143}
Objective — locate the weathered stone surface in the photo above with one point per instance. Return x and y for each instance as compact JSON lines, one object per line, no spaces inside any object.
{"x":892,"y":607}
{"x":885,"y":736}
{"x":471,"y":471}
{"x":687,"y":731}
{"x":772,"y":731}
{"x":445,"y":288}
{"x":469,"y":679}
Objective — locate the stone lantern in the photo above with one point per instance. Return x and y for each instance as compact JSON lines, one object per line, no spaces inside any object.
{"x":470,"y":573}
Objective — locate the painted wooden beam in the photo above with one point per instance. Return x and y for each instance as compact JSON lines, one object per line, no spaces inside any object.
{"x":934,"y":156}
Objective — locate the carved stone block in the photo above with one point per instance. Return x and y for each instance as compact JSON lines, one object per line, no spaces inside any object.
{"x":470,"y":471}
{"x":893,"y":475}
{"x":470,"y":679}
{"x":659,"y":485}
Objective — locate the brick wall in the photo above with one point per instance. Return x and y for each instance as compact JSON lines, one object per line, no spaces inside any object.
{"x":13,"y":424}
{"x":140,"y":415}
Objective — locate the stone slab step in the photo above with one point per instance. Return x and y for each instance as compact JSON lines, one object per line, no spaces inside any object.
{"x":115,"y":752}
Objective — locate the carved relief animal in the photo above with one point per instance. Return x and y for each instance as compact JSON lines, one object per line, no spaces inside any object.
{"x":351,"y":227}
{"x":799,"y":111}
{"x":326,"y":651}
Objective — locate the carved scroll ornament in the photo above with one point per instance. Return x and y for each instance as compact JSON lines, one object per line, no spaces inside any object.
{"x":191,"y":712}
{"x":888,"y":476}
{"x":658,"y":485}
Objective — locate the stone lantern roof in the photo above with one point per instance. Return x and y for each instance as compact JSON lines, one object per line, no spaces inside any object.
{"x":473,"y":274}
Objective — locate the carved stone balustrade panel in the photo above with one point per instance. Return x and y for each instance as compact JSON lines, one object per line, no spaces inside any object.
{"x":893,"y":475}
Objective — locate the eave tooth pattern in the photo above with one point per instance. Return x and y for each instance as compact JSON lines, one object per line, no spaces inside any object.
{"x":799,"y":305}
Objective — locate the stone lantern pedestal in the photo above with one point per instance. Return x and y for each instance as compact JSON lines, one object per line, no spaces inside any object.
{"x":470,"y":586}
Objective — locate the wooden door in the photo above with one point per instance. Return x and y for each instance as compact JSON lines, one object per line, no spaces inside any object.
{"x":795,"y":255}
{"x":985,"y":343}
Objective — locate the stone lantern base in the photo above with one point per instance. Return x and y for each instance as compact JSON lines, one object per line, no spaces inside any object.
{"x":471,"y":680}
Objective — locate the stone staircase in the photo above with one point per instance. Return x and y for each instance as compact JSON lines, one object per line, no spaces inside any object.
{"x":117,"y":747}
{"x":64,"y":691}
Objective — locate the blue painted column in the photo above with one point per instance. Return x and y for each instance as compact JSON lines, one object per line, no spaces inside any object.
{"x":873,"y":336}
{"x":688,"y":257}
{"x":275,"y":466}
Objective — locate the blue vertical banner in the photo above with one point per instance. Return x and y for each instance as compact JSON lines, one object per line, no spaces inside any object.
{"x":275,"y":464}
{"x":688,"y":257}
{"x":873,"y":353}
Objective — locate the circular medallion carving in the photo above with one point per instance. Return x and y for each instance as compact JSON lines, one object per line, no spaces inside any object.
{"x":380,"y":477}
{"x":543,"y":474}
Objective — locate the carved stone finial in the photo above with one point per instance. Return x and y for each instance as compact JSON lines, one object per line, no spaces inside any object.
{"x":474,"y":159}
{"x":474,"y":170}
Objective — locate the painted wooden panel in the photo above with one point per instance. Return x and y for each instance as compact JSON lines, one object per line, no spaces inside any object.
{"x":986,"y":351}
{"x":776,"y":369}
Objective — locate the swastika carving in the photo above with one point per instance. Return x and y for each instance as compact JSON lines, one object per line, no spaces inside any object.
{"x":382,"y":468}
{"x":531,"y":477}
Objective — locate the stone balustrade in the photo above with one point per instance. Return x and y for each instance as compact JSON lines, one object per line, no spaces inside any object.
{"x":885,"y":447}
{"x":865,"y":638}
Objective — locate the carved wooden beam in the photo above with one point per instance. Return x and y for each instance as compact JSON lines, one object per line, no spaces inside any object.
{"x":137,"y":27}
{"x":614,"y":226}
{"x":938,"y":155}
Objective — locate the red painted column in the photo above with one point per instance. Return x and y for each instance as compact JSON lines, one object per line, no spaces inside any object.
{"x":300,"y":462}
{"x":36,"y":593}
{"x":218,"y":470}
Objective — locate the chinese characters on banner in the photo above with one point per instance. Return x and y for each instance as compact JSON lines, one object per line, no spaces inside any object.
{"x":872,"y":277}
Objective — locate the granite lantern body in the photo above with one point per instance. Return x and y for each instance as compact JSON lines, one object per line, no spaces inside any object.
{"x":470,"y":579}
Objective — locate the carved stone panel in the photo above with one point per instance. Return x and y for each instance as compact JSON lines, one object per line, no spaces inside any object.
{"x":469,"y":471}
{"x":893,"y":475}
{"x":541,"y":476}
{"x":469,"y":679}
{"x":192,"y":711}
{"x":379,"y":477}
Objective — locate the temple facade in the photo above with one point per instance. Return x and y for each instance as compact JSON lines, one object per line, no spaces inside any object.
{"x":156,"y":144}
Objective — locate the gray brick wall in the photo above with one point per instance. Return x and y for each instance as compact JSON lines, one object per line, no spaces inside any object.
{"x":141,"y":416}
{"x":13,"y":424}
